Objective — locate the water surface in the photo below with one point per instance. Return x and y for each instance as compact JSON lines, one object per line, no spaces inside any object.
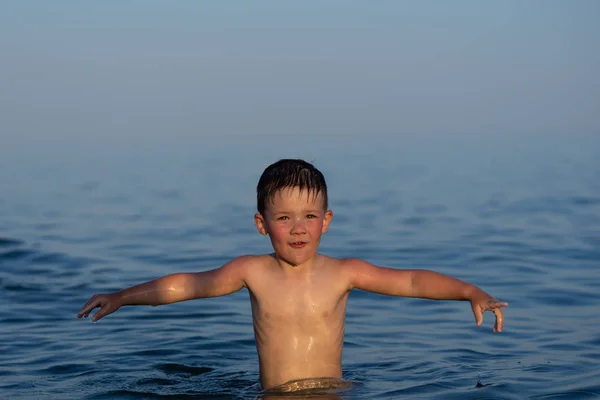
{"x":519,"y":216}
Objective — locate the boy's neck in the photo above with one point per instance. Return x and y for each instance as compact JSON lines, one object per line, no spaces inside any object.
{"x":305,"y":266}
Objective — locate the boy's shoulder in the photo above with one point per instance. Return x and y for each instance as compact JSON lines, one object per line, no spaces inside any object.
{"x":350,"y":262}
{"x":335,"y":262}
{"x":347,"y":267}
{"x":351,"y":269}
{"x":251,"y":260}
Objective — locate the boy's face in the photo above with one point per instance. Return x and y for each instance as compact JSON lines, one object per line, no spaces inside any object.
{"x":294,"y":221}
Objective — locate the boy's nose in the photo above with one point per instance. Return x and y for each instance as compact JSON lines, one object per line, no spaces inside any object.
{"x":298,"y":226}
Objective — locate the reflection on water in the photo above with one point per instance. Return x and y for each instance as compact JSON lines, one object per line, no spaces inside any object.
{"x":522,"y":222}
{"x":313,"y":386}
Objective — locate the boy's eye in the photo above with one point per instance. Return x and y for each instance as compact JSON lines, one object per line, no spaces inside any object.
{"x":310,"y":216}
{"x":282,"y":218}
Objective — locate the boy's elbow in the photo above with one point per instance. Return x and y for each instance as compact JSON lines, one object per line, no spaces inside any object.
{"x":418,"y":282}
{"x":411,"y":287}
{"x":175,"y":288}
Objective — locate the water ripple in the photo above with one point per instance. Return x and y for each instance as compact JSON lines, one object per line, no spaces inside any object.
{"x":180,"y":369}
{"x":481,"y":217}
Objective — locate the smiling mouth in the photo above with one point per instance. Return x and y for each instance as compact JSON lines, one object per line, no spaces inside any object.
{"x":298,"y":244}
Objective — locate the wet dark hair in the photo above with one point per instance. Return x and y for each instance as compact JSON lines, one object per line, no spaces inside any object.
{"x":289,"y":173}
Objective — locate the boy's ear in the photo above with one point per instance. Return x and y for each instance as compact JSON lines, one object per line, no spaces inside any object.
{"x":327,"y":220}
{"x":259,"y":221}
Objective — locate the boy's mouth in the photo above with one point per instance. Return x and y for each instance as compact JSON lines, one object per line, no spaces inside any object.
{"x":298,"y":245}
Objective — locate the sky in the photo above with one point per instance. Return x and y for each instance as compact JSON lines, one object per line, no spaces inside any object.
{"x":152,"y":69}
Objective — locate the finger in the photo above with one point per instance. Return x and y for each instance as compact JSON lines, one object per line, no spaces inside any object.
{"x":103,"y":312}
{"x":85,"y":311}
{"x":499,"y":320}
{"x":87,"y":303}
{"x":493,"y":304}
{"x":91,"y":300}
{"x":97,"y":316}
{"x":478,"y":315}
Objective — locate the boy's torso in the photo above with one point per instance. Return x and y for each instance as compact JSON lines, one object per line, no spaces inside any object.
{"x":298,"y":319}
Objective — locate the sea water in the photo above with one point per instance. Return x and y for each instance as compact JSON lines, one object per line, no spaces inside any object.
{"x":517,"y":215}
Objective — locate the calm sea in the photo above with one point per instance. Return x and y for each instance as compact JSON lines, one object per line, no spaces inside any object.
{"x":517,"y":215}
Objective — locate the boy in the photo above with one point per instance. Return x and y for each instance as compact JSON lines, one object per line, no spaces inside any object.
{"x":298,"y":296}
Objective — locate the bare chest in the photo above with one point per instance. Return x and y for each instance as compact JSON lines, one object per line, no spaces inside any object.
{"x":295,"y":302}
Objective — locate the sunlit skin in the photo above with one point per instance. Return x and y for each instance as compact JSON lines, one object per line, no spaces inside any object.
{"x":298,"y":296}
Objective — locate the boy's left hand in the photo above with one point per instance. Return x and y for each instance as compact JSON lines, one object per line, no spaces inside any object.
{"x":483,"y":302}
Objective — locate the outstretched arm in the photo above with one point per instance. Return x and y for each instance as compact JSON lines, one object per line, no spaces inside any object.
{"x":424,"y":284}
{"x":172,"y":289}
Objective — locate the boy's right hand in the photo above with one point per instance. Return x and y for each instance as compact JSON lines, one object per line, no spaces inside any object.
{"x":482,"y":302}
{"x":108,"y":303}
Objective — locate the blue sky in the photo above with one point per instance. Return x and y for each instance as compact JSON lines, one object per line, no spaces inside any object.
{"x":148,"y":69}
